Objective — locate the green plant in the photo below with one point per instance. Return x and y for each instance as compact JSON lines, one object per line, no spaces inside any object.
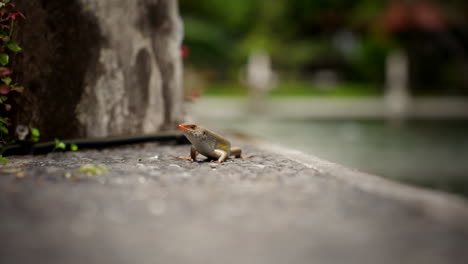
{"x":93,"y":169}
{"x":73,"y":147}
{"x":62,"y":146}
{"x":59,"y":145}
{"x":3,"y":160}
{"x":34,"y":134}
{"x":4,"y":123}
{"x":8,"y":17}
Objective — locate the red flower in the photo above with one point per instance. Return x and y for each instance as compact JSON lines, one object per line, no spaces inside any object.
{"x":185,"y":51}
{"x":5,"y":72}
{"x":4,"y":89}
{"x":14,"y":15}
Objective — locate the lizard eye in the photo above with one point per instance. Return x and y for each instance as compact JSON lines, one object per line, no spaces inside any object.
{"x":193,"y":126}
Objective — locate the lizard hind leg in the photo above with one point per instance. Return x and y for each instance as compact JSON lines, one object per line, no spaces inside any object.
{"x":236,"y":152}
{"x":221,"y":155}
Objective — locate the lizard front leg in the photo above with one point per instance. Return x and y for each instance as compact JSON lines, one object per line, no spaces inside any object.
{"x":221,"y":155}
{"x":193,"y":153}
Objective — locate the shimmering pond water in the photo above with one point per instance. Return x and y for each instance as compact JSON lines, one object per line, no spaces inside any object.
{"x":430,"y":153}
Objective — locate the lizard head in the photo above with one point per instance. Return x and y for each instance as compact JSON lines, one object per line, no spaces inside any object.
{"x":191,"y":129}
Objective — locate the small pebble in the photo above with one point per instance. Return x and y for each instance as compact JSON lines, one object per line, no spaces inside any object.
{"x":19,"y":175}
{"x":154,"y":158}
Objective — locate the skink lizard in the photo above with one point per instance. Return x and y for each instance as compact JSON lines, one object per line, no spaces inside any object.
{"x":208,"y":143}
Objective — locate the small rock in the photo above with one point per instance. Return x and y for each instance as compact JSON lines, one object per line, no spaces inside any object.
{"x":19,"y":175}
{"x":156,"y":157}
{"x":68,"y":175}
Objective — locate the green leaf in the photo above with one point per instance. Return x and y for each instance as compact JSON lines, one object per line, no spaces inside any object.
{"x":7,"y":80}
{"x":92,"y":169}
{"x":11,"y":45}
{"x":3,"y":130}
{"x":4,"y":120}
{"x":3,"y":160}
{"x":73,"y":147}
{"x":59,"y":144}
{"x":4,"y":59}
{"x":34,"y":134}
{"x":18,"y":89}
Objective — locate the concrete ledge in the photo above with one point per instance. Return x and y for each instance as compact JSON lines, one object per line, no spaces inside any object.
{"x":280,"y":206}
{"x":443,"y":206}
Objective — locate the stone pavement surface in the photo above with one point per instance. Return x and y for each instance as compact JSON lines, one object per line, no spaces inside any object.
{"x":153,"y":208}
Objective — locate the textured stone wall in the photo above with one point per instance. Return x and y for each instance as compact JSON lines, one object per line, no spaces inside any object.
{"x":96,"y":68}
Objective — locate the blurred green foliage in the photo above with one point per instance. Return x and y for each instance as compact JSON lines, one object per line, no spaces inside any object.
{"x":303,"y":36}
{"x":296,"y":88}
{"x":293,"y":32}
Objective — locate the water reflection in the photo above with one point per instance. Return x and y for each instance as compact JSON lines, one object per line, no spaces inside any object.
{"x":430,"y":153}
